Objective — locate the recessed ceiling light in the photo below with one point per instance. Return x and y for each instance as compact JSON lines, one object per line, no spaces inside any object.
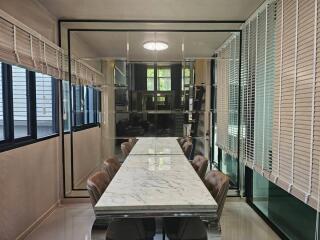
{"x":155,"y":46}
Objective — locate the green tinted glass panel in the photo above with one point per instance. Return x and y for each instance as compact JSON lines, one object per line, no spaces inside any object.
{"x":293,"y":217}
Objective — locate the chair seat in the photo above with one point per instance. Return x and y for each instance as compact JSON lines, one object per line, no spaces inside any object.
{"x":133,"y":229}
{"x":185,"y":229}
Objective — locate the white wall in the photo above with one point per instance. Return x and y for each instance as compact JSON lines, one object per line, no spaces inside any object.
{"x":31,"y":176}
{"x":35,"y":16}
{"x":29,"y":185}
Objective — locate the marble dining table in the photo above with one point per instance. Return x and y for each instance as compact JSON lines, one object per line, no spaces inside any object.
{"x":153,"y":183}
{"x":158,"y":146}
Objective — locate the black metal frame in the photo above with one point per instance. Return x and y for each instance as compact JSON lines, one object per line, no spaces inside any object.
{"x":70,"y":30}
{"x":10,"y":142}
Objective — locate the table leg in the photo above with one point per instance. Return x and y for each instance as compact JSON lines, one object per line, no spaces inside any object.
{"x":163,"y":230}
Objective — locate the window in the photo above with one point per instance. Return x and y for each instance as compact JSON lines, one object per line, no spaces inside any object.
{"x":45,"y":105}
{"x":98,"y":116}
{"x":91,"y":107}
{"x":85,"y":103}
{"x":185,"y":78}
{"x":1,"y":106}
{"x":150,"y":79}
{"x":20,"y":102}
{"x":78,"y":105}
{"x":66,"y":106}
{"x":28,"y":106}
{"x":164,"y":79}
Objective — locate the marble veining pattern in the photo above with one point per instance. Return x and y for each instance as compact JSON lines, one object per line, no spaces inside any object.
{"x":156,"y":182}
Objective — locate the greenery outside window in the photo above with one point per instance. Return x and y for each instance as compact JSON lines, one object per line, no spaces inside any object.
{"x":150,"y":79}
{"x":164,"y":79}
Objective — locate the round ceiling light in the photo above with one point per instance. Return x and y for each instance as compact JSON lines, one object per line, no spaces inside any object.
{"x":155,"y":46}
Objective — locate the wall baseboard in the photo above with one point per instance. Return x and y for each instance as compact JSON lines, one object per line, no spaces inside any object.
{"x":36,"y":223}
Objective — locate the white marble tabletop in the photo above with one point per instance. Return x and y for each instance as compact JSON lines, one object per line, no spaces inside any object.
{"x":159,"y":146}
{"x":156,"y":185}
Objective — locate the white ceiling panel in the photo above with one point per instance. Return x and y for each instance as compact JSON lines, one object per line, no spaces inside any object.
{"x":181,"y":45}
{"x":152,"y":9}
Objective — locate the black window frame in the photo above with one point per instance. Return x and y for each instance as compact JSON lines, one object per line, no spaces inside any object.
{"x":82,"y":125}
{"x":55,"y":106}
{"x":10,"y":142}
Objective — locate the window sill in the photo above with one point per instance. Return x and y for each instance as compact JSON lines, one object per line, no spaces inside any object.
{"x":21,"y":143}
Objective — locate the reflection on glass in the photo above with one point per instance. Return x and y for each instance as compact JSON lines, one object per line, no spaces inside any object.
{"x":78,"y":105}
{"x":20,"y":106}
{"x":150,"y":79}
{"x":90,"y":105}
{"x":164,"y":79}
{"x":1,"y":105}
{"x":229,"y":166}
{"x":159,"y":163}
{"x":84,"y":104}
{"x":66,"y":105}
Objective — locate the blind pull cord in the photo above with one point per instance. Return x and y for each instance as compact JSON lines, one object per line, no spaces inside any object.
{"x":15,"y":44}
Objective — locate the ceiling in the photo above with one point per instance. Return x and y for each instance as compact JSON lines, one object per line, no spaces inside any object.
{"x":153,"y":9}
{"x":114,"y":45}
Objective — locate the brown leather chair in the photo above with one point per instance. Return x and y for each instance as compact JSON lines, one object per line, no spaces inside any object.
{"x":183,"y":140}
{"x":114,"y":161}
{"x":187,"y":148}
{"x":96,"y":185}
{"x":193,"y":228}
{"x":200,"y":165}
{"x":218,"y":185}
{"x":125,"y":148}
{"x":109,"y":168}
{"x":132,"y":141}
{"x":140,"y":229}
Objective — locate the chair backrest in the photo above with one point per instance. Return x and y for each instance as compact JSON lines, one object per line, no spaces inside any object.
{"x":96,"y":185}
{"x":200,"y":164}
{"x":114,"y":161}
{"x":187,"y":147}
{"x":182,"y":141}
{"x":125,"y":148}
{"x":109,"y":168}
{"x":218,"y":185}
{"x":132,"y":141}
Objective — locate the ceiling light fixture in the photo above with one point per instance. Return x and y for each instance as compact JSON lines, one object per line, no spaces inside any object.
{"x":155,"y":46}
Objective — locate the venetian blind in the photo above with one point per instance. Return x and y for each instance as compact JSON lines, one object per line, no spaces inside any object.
{"x":281,"y":96}
{"x":227,"y":75}
{"x":258,"y":67}
{"x":20,"y":45}
{"x":295,"y":160}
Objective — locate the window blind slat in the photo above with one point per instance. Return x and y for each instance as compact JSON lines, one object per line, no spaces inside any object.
{"x":22,"y":46}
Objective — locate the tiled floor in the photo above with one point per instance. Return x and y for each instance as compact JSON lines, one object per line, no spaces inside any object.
{"x":74,"y":221}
